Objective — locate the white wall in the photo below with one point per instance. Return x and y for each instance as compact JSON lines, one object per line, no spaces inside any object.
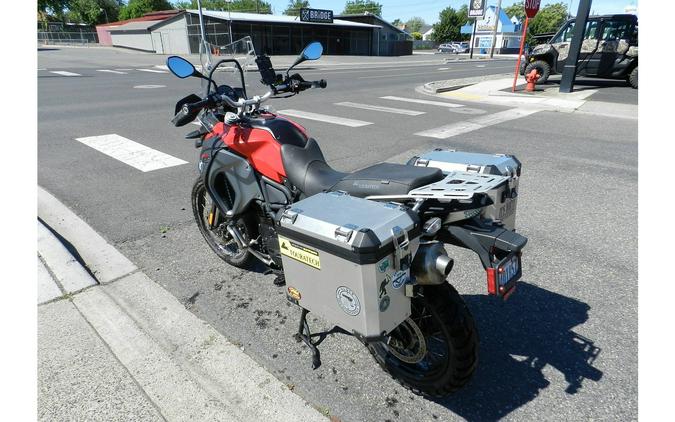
{"x":172,"y":38}
{"x":139,"y":41}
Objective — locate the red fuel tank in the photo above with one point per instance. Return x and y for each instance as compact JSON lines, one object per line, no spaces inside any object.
{"x":261,"y":140}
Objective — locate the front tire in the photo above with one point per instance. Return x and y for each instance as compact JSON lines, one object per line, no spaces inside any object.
{"x":435,"y":351}
{"x":543,"y":68}
{"x":218,"y":238}
{"x":633,"y":78}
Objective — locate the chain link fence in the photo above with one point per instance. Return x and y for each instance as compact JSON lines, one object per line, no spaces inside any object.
{"x":67,"y":38}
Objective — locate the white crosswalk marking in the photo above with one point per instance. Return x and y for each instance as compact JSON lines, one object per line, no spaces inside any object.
{"x":455,"y":129}
{"x":112,"y":71}
{"x":64,"y":73}
{"x":418,"y":101}
{"x":324,"y":118}
{"x":380,"y":108}
{"x":132,"y":153}
{"x":152,"y":70}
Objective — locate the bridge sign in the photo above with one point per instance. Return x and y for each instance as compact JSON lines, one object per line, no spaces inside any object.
{"x":316,"y":15}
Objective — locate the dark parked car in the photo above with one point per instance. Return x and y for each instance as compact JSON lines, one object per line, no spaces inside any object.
{"x":609,"y":50}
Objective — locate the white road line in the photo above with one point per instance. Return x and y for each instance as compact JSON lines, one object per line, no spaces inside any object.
{"x":64,"y":73}
{"x":152,"y":70}
{"x":132,"y":153}
{"x":455,"y":129}
{"x":443,"y":68}
{"x":149,"y":86}
{"x":381,"y":108}
{"x":418,"y":101}
{"x":480,"y":65}
{"x":324,"y":118}
{"x":112,"y":71}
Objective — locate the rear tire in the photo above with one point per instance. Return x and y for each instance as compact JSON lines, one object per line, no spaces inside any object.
{"x":543,"y":68}
{"x":449,"y":356}
{"x":633,"y":78}
{"x":218,"y":238}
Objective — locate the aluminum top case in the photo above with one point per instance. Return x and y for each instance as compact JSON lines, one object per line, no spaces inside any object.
{"x":504,"y":197}
{"x":347,"y":259}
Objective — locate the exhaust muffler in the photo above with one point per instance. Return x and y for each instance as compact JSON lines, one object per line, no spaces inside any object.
{"x":431,"y":264}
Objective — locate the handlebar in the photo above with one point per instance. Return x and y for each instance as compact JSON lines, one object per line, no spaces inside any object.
{"x":292,"y":85}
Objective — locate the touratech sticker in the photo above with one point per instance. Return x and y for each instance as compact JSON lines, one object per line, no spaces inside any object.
{"x":300,"y":253}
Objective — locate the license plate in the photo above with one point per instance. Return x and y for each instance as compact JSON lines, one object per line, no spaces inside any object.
{"x":502,"y":277}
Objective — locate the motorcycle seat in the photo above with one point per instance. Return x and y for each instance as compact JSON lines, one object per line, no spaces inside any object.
{"x":306,"y":168}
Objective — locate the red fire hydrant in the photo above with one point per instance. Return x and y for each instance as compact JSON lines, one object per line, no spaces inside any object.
{"x":532,"y":79}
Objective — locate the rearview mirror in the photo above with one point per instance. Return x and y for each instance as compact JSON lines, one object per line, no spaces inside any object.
{"x":181,"y":67}
{"x":313,"y":51}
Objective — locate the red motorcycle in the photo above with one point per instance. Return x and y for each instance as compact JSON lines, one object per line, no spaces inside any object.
{"x":255,"y":165}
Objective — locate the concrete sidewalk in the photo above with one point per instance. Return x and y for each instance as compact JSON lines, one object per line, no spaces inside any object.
{"x":496,"y":90}
{"x":126,"y":349}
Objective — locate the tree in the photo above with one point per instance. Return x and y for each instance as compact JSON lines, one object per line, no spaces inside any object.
{"x":397,"y":22}
{"x":416,"y":35}
{"x":414,"y":24}
{"x":294,"y":7}
{"x":517,"y":10}
{"x":449,"y":24}
{"x":248,"y":6}
{"x":138,"y":8}
{"x":93,"y":12}
{"x":358,"y":7}
{"x":54,"y":9}
{"x":548,"y":19}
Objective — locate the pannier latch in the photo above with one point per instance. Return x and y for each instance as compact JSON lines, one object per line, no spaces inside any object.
{"x":401,"y":248}
{"x":289,"y":216}
{"x":343,"y":234}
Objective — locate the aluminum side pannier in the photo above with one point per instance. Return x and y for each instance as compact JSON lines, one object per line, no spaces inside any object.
{"x":348,"y":259}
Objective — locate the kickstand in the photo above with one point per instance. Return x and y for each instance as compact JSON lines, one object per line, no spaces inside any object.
{"x":304,"y":334}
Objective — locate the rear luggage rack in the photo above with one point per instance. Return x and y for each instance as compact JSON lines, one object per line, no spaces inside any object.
{"x":458,"y":185}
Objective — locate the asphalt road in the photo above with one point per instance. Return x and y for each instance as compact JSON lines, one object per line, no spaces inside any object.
{"x":564,"y":347}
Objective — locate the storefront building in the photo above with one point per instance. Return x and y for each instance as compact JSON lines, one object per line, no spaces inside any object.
{"x":509,"y":33}
{"x":364,"y":35}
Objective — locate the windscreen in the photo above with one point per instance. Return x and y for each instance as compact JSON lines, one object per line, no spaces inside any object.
{"x":227,"y":73}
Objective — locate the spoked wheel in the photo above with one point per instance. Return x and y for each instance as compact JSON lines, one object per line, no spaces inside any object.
{"x":435,"y":351}
{"x":213,"y":227}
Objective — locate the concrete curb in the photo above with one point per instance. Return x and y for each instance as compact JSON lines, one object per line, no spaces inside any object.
{"x":436,"y":87}
{"x":104,"y":261}
{"x":187,"y":369}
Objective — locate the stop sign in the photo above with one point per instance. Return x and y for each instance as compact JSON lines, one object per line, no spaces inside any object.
{"x":531,"y":7}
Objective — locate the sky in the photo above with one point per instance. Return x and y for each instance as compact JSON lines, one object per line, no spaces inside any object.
{"x":429,"y":9}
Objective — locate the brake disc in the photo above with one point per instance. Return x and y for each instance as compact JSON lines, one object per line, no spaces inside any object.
{"x":410,"y":349}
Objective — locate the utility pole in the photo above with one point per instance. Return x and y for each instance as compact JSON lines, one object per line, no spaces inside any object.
{"x":494,"y":31}
{"x":569,"y":73}
{"x":473,"y":37}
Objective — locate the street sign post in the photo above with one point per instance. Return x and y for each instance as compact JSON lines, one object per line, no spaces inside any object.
{"x":476,"y":11}
{"x":531,"y":9}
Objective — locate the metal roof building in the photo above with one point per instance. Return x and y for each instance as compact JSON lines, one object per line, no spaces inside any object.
{"x":271,"y":34}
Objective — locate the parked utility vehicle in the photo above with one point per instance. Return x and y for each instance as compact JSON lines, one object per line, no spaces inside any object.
{"x":609,"y":50}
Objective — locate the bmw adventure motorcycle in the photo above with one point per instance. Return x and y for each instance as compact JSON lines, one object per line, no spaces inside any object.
{"x":258,"y":174}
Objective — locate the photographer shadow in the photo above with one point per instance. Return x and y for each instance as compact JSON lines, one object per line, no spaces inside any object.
{"x":518,"y":339}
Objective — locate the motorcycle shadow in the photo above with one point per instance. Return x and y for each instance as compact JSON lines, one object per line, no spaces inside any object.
{"x":518,"y":339}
